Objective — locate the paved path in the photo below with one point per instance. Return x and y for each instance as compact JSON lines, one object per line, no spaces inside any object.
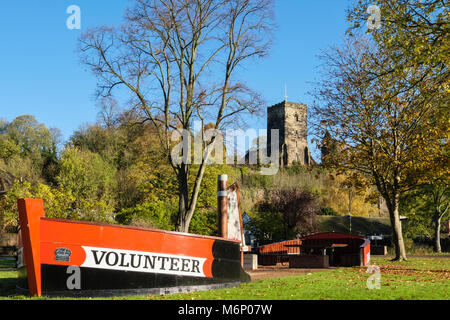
{"x":265,"y":272}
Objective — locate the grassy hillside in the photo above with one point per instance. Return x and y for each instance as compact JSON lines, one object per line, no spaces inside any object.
{"x":360,"y":225}
{"x":327,"y":187}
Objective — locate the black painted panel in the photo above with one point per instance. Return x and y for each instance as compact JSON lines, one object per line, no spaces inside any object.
{"x":54,"y":278}
{"x":227,"y":261}
{"x":226,"y":250}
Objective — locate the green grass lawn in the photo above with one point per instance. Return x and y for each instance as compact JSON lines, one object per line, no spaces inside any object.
{"x":8,"y":281}
{"x":416,"y":279}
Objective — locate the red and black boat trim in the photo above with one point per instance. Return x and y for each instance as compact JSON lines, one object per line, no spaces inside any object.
{"x":73,"y":258}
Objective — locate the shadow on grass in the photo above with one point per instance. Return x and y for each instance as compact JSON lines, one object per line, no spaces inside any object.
{"x":8,"y":286}
{"x":359,"y":225}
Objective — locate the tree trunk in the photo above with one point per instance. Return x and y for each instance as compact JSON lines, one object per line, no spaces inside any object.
{"x":183,"y":201}
{"x":437,"y":233}
{"x":190,"y":204}
{"x":397,"y":233}
{"x":182,"y":225}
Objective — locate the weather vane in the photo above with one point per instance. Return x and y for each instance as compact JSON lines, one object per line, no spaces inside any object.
{"x":285,"y":92}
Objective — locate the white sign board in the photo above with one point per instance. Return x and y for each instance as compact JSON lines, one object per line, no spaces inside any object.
{"x":235,"y":227}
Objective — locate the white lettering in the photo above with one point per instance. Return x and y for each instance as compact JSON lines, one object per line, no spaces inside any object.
{"x":187,"y":310}
{"x":147,"y":262}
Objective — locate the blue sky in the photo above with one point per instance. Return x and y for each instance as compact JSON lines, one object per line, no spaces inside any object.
{"x":41,"y":74}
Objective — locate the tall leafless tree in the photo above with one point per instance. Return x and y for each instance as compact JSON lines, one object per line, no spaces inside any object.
{"x":179,"y":59}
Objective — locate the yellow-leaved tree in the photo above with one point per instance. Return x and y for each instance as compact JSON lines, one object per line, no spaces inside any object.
{"x":388,"y":123}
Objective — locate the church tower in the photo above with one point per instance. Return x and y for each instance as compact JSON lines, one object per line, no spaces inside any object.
{"x":291,"y":119}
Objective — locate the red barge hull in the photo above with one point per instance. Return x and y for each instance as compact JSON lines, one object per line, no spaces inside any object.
{"x":73,"y":258}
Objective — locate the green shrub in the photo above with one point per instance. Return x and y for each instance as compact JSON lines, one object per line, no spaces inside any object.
{"x":258,"y":181}
{"x":268,"y":227}
{"x":156,"y":214}
{"x":329,"y":212}
{"x":204,"y":222}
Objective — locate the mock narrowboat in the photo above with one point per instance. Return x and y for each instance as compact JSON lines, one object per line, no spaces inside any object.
{"x":74,"y":258}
